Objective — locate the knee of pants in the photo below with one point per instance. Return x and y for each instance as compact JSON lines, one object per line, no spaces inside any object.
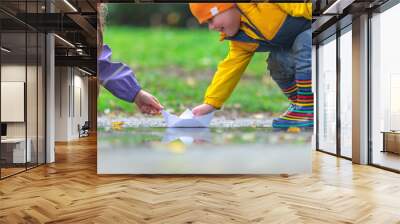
{"x":302,"y":48}
{"x":281,"y":65}
{"x":303,"y":42}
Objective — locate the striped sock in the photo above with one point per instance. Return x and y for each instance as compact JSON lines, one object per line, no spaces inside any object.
{"x":289,"y":89}
{"x":303,"y":108}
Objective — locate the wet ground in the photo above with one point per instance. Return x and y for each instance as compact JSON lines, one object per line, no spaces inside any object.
{"x":226,"y":122}
{"x":240,"y":150}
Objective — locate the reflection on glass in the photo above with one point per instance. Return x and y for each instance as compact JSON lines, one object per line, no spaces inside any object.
{"x":202,"y":151}
{"x":327,"y":97}
{"x":346,"y":94}
{"x":31,"y":97}
{"x":41,"y":98}
{"x":23,"y":89}
{"x":385,"y":87}
{"x":15,"y":150}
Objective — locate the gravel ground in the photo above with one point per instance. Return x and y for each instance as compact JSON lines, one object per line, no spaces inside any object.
{"x":104,"y":121}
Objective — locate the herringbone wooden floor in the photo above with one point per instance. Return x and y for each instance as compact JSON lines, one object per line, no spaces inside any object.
{"x":70,"y":191}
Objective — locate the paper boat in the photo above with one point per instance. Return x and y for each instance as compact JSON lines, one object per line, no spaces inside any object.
{"x":187,"y":120}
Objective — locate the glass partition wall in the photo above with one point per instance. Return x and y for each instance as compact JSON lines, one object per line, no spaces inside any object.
{"x":334,"y":95}
{"x":22,"y":107}
{"x":345,"y":93}
{"x":334,"y":105}
{"x":385,"y":89}
{"x":326,"y":96}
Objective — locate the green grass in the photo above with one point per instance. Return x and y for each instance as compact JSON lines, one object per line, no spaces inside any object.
{"x":196,"y":49}
{"x":176,"y":65}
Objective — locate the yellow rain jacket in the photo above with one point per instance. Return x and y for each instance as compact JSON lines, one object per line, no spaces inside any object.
{"x":272,"y":20}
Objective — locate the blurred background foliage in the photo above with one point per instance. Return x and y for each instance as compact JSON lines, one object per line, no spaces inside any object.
{"x":175,"y":59}
{"x":151,"y":15}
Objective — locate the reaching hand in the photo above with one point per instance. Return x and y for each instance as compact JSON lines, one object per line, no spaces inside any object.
{"x":147,"y":103}
{"x":202,"y":109}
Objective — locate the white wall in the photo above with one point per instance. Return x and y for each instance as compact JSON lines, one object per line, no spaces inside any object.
{"x":61,"y":103}
{"x":33,"y":126}
{"x":50,"y":94}
{"x":16,"y":73}
{"x":81,"y":101}
{"x":71,"y":94}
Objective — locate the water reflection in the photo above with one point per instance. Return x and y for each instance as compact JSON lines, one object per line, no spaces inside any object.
{"x":203,"y":151}
{"x":215,"y":136}
{"x":188,"y":136}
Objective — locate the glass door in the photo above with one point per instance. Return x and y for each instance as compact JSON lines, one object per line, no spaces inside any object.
{"x":385,"y":89}
{"x":346,"y":75}
{"x":327,"y":95}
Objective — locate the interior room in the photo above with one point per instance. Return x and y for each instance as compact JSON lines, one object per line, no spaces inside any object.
{"x":42,"y":77}
{"x":22,"y":99}
{"x":384,"y":89}
{"x":345,"y":47}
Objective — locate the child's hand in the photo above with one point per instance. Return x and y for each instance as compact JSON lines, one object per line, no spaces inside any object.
{"x":147,"y":103}
{"x":202,"y":109}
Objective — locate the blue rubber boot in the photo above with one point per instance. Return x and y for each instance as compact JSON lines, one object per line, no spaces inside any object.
{"x":301,"y":112}
{"x":287,"y":120}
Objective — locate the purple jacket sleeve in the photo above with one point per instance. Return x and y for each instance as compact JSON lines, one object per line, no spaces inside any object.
{"x":117,"y":77}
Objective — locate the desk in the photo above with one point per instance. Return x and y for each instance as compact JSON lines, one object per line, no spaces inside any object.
{"x":18,"y":150}
{"x":391,"y":141}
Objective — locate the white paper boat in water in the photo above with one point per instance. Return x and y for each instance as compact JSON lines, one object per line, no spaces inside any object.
{"x":187,"y":120}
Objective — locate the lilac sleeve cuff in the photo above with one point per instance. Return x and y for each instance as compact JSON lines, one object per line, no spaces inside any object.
{"x":117,"y":77}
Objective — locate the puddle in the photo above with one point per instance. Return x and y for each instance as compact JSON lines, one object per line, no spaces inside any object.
{"x":203,"y":151}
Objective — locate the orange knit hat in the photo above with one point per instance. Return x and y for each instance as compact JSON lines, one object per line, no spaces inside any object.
{"x":205,"y":11}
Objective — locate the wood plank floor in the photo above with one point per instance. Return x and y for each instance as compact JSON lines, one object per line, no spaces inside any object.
{"x":10,"y":171}
{"x":70,"y":191}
